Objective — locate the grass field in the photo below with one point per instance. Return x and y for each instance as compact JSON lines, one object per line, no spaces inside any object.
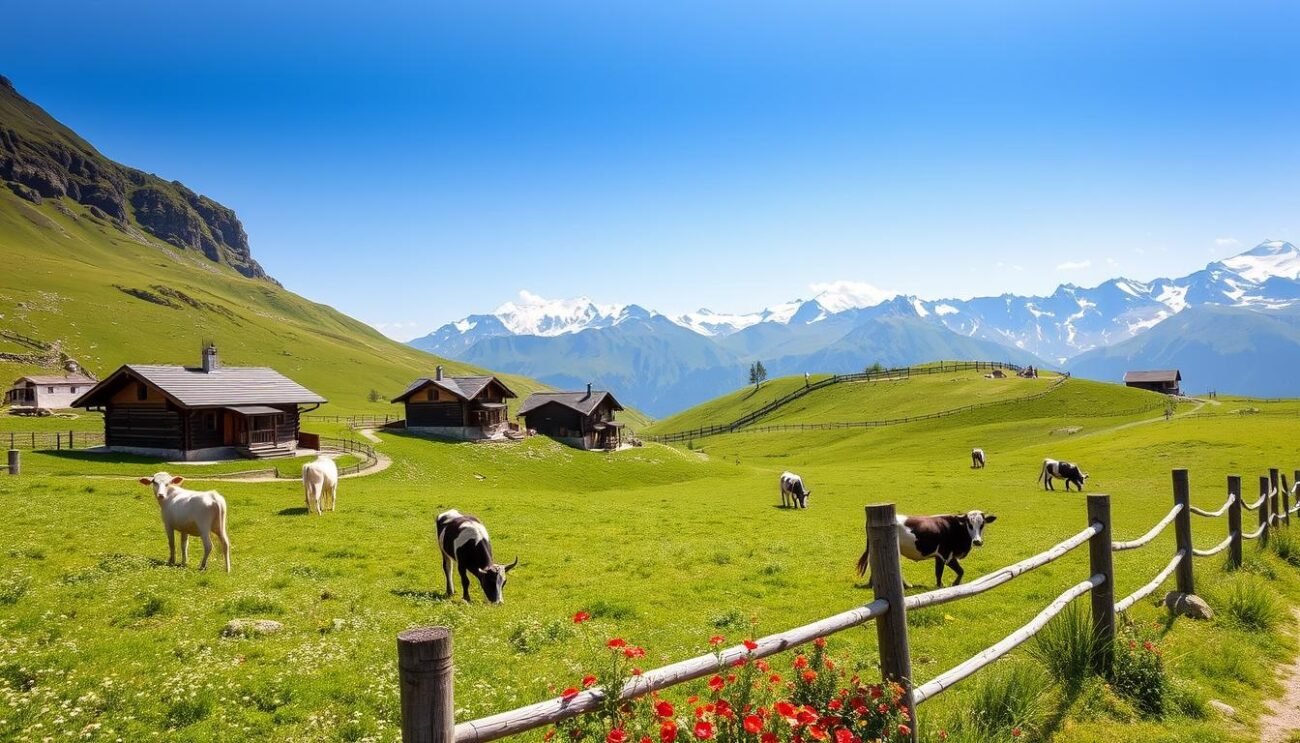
{"x":664,"y":546}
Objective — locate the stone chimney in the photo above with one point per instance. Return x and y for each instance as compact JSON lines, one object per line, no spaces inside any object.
{"x":211,"y":362}
{"x":437,"y":374}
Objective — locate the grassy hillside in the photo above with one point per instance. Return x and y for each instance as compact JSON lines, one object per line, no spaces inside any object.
{"x":677,"y":546}
{"x":732,"y":406}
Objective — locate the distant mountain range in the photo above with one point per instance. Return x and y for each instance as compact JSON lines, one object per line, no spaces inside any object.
{"x":664,"y":363}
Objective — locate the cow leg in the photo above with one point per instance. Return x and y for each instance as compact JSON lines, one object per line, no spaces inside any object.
{"x":1067,"y":486}
{"x":171,"y":546}
{"x":956,"y":568}
{"x":224,"y":538}
{"x":938,"y":572}
{"x":464,"y":582}
{"x":785,"y":499}
{"x":446,"y":571}
{"x":207,"y":549}
{"x":185,"y":549}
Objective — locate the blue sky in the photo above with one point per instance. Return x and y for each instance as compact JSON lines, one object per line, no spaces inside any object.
{"x":410,"y":163}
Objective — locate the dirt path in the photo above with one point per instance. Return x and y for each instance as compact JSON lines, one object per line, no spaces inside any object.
{"x":1283,"y":716}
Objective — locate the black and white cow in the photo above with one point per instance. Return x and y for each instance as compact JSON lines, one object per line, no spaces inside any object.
{"x":793,"y":493}
{"x":945,"y":538}
{"x":977,"y":458}
{"x":1057,"y":470}
{"x":464,"y":540}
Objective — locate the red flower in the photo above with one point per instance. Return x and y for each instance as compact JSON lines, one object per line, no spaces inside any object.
{"x":668,"y":731}
{"x":716,"y":683}
{"x":753,"y":724}
{"x":806,"y":716}
{"x":581,"y":617}
{"x":774,"y":678}
{"x":835,"y":705}
{"x":616,"y":736}
{"x":664,"y":708}
{"x":820,"y":642}
{"x":549,"y":734}
{"x":883,"y":708}
{"x":817,"y":732}
{"x":943,"y":735}
{"x":703,"y":730}
{"x":1015,"y":732}
{"x":843,"y":735}
{"x":569,"y":693}
{"x":905,"y":730}
{"x":810,"y":676}
{"x":588,"y":681}
{"x":646,"y":739}
{"x":875,"y":692}
{"x":634,"y":651}
{"x":751,"y":646}
{"x":768,"y":738}
{"x":800,"y":661}
{"x":784,"y":709}
{"x":717,"y":640}
{"x":617,"y":642}
{"x":762,"y":665}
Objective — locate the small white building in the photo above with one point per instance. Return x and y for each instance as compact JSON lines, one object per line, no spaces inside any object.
{"x":51,"y":392}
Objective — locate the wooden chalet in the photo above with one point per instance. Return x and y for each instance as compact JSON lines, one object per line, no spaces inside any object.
{"x":467,"y":408}
{"x":209,"y":412}
{"x":1165,"y":381}
{"x":581,"y":419}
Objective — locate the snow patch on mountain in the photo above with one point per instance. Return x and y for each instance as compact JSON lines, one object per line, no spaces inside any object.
{"x":838,"y":296}
{"x":1266,"y":260}
{"x":536,"y":315}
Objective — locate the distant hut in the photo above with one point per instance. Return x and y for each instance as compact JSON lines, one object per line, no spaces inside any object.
{"x":467,"y":408}
{"x":1165,"y":381}
{"x":207,"y":412}
{"x":581,"y":419}
{"x":47,"y":392}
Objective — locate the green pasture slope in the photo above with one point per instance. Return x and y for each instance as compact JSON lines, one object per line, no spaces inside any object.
{"x":664,"y":546}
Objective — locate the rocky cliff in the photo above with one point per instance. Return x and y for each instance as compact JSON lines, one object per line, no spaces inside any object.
{"x":42,"y":159}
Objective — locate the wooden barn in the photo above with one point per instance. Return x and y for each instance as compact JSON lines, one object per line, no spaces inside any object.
{"x":209,"y":412}
{"x":1165,"y":381}
{"x":468,"y":408}
{"x":47,"y":392}
{"x":581,"y":419}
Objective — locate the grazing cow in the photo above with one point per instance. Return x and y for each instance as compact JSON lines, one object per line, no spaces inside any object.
{"x":193,"y":514}
{"x":793,"y":493}
{"x":464,"y":540}
{"x":320,"y":482}
{"x":945,"y":538}
{"x":1057,"y":470}
{"x":977,"y":458}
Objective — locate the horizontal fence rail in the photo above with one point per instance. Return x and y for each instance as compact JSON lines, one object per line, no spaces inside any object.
{"x":52,"y":440}
{"x":432,"y":720}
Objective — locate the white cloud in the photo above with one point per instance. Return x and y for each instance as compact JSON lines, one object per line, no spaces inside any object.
{"x":837,"y":296}
{"x":1012,"y":266}
{"x":1227,"y":242}
{"x":1074,"y":265}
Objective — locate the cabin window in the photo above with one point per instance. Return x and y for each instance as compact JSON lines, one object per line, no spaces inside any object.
{"x":433,"y":394}
{"x":141,"y":391}
{"x":50,"y":390}
{"x":210,"y":421}
{"x":74,"y":390}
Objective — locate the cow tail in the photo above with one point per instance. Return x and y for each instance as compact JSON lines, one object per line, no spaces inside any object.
{"x":862,"y":561}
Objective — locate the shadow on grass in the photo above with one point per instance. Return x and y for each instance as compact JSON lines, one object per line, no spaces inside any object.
{"x":431,"y":597}
{"x":299,"y":511}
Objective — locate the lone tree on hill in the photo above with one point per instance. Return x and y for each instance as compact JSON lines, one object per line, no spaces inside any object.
{"x":374,"y":396}
{"x":875,"y":368}
{"x":757,"y":374}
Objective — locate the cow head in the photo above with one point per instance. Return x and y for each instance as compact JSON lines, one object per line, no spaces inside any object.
{"x":974,"y":521}
{"x":160,"y":482}
{"x":493,"y":580}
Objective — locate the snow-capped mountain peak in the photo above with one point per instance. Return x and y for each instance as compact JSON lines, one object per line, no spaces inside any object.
{"x":535,"y":315}
{"x":838,"y":296}
{"x":1265,"y":261}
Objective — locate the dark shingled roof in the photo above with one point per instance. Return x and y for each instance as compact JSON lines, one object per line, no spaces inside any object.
{"x":1157,"y":375}
{"x":466,"y":388}
{"x":77,"y":379}
{"x":580,"y":401}
{"x":223,"y":387}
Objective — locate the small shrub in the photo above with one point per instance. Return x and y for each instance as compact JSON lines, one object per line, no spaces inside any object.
{"x":253,"y":604}
{"x":924,"y":618}
{"x":1005,"y":699}
{"x":602,"y":609}
{"x":529,"y":636}
{"x":1139,"y":673}
{"x":1187,"y":700}
{"x":721,"y":558}
{"x":187,"y":711}
{"x":13,"y":587}
{"x":151,"y":605}
{"x":731,"y":619}
{"x":1286,"y":546}
{"x":1251,"y":605}
{"x":1067,"y":646}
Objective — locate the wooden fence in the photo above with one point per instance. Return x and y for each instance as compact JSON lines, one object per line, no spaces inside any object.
{"x":53,"y":440}
{"x":13,"y":464}
{"x":425,"y":654}
{"x":368,"y":459}
{"x":735,"y":427}
{"x":355,"y":421}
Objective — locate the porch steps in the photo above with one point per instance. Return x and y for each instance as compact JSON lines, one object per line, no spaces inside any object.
{"x":268,"y":452}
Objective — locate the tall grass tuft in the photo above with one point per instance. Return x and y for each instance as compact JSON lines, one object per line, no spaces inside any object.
{"x":1067,"y":646}
{"x":1286,"y":546}
{"x":1005,"y":699}
{"x":1251,"y":605}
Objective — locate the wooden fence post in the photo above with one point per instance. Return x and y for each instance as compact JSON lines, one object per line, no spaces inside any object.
{"x":1272,"y":481}
{"x":1263,"y":510}
{"x":1103,"y":596}
{"x":424,"y":668}
{"x":1234,"y":521}
{"x":887,"y":583}
{"x":1286,"y":501}
{"x":15,"y":467}
{"x":1183,"y":531}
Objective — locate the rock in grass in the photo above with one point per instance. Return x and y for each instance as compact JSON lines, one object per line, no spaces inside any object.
{"x":1224,"y":709}
{"x":1188,"y":605}
{"x":251,"y":628}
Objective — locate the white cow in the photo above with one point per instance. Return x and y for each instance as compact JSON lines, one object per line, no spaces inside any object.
{"x":320,"y":482}
{"x":193,"y":514}
{"x":977,"y":458}
{"x":793,"y":493}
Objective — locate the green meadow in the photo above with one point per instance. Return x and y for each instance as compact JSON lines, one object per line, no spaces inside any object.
{"x":664,"y":546}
